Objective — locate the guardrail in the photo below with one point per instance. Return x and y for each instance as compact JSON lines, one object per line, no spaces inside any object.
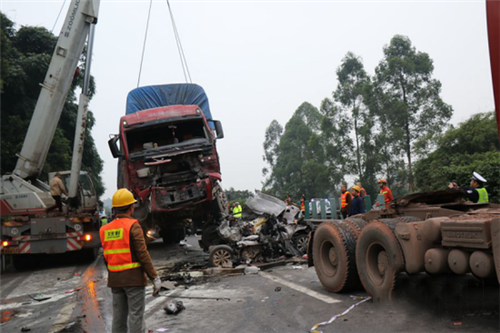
{"x":311,"y":211}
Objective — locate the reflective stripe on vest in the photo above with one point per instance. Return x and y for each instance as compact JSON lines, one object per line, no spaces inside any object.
{"x":115,"y":238}
{"x":343,"y":199}
{"x":483,"y":195}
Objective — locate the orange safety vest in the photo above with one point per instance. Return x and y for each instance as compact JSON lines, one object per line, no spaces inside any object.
{"x":343,"y":199}
{"x":303,"y":206}
{"x":115,"y":239}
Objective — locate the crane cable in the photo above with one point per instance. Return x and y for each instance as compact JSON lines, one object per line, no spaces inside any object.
{"x":185,"y":67}
{"x":144,"y":44}
{"x":57,"y":19}
{"x":184,"y":64}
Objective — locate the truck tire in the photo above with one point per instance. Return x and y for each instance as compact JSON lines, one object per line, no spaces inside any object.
{"x":356,"y":224}
{"x":334,"y":247}
{"x":89,"y":255}
{"x":218,"y":205}
{"x":379,"y":258}
{"x":221,"y":256}
{"x":210,"y":236}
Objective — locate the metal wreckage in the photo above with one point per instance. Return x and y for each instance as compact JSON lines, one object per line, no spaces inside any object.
{"x":268,"y":231}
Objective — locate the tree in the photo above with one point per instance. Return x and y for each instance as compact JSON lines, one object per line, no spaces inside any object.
{"x":271,"y":143}
{"x":410,"y":102}
{"x":26,"y":55}
{"x":472,"y":146}
{"x":300,"y":158}
{"x":240,"y":196}
{"x":353,"y":96}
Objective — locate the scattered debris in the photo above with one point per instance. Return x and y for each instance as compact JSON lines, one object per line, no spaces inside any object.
{"x":73,"y":290}
{"x":297,"y":267}
{"x":251,"y":270}
{"x":167,"y":285}
{"x":362,"y":299}
{"x":277,"y":289}
{"x":25,"y":329}
{"x":78,"y":273}
{"x":174,"y":307}
{"x":162,"y":330}
{"x":458,"y":323}
{"x":39,"y":297}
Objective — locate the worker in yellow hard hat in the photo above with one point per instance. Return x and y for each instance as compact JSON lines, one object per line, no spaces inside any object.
{"x":128,"y":263}
{"x":357,"y":206}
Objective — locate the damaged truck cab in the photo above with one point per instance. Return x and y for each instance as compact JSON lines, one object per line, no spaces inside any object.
{"x":168,"y":158}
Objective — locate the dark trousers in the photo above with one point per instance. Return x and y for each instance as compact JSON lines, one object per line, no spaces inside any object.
{"x":58,"y":204}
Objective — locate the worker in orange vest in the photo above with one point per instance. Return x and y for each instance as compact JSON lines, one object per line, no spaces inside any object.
{"x":385,"y":191}
{"x":128,"y":263}
{"x":345,"y":200}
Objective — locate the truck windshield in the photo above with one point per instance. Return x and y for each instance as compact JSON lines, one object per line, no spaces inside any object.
{"x":165,"y":135}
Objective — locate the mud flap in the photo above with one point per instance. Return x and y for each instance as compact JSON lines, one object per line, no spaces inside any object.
{"x":495,"y":237}
{"x":310,"y":262}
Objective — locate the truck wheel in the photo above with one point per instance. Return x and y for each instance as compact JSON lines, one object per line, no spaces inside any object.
{"x":356,"y":224}
{"x":219,"y":203}
{"x":22,"y":262}
{"x":299,"y":240}
{"x":210,"y":236}
{"x":221,"y":256}
{"x":180,"y":234}
{"x":89,"y":255}
{"x":379,"y":259}
{"x":334,"y":256}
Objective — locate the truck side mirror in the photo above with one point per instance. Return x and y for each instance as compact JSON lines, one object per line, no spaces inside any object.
{"x":218,"y":129}
{"x":113,"y":146}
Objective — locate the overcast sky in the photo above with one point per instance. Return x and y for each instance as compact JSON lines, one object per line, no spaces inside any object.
{"x":258,"y":61}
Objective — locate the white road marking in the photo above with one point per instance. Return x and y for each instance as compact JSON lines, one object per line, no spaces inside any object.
{"x":63,"y":317}
{"x":7,"y":285}
{"x":53,"y":298}
{"x":309,"y":292}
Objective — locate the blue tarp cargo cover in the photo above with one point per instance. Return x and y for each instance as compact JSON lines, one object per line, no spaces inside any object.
{"x":151,"y":97}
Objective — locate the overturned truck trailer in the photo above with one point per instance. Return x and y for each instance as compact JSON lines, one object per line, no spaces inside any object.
{"x":434,"y":232}
{"x":167,"y":157}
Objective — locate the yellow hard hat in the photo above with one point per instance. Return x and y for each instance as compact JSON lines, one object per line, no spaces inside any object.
{"x":356,"y":188}
{"x":122,"y":198}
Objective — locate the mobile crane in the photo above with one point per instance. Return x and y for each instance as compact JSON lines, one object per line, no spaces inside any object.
{"x":27,"y":226}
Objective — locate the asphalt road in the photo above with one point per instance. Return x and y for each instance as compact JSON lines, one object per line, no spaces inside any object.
{"x":281,"y":299}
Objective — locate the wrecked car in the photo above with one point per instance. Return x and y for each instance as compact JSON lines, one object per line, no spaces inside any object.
{"x":270,"y":230}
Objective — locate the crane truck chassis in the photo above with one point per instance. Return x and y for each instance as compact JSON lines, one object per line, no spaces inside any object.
{"x":25,"y":201}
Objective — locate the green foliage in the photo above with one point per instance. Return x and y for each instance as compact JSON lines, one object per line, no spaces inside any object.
{"x":300,"y":157}
{"x":25,"y":57}
{"x":240,"y":196}
{"x":410,"y":105}
{"x":472,"y":146}
{"x":370,"y":128}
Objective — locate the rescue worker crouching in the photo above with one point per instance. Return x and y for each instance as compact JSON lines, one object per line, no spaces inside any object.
{"x":128,"y":263}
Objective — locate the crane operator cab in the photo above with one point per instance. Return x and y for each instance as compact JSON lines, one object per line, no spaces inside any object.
{"x":86,"y":199}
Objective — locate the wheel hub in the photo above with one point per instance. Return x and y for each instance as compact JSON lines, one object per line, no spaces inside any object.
{"x":383,"y":262}
{"x":221,"y":258}
{"x":332,"y":255}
